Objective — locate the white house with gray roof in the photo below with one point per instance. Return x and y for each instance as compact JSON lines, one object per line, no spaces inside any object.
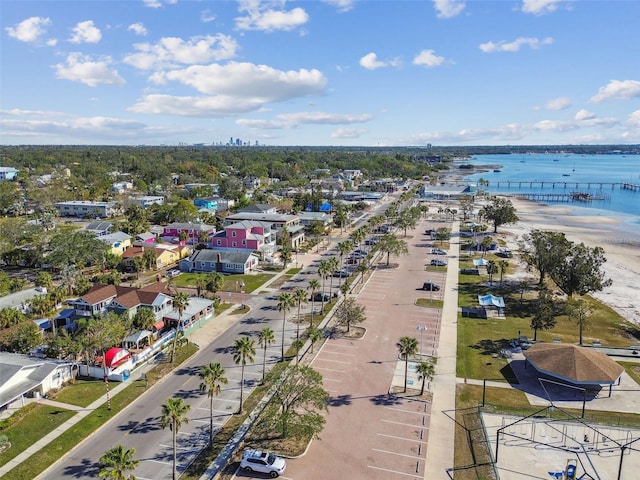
{"x":221,"y":261}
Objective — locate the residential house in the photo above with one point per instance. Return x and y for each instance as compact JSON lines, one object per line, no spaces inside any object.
{"x":222,"y":261}
{"x":99,"y":229}
{"x":279,"y":222}
{"x":260,"y":208}
{"x":120,"y":299}
{"x":194,"y":232}
{"x":146,"y":237}
{"x":250,"y":182}
{"x":145,"y":201}
{"x":86,"y":209}
{"x":198,"y":310}
{"x":119,"y":188}
{"x":8,"y":173}
{"x":246,"y":235}
{"x":28,"y":376}
{"x":214,"y":188}
{"x":308,"y":218}
{"x":217,"y":204}
{"x":166,"y":255}
{"x":117,"y":242}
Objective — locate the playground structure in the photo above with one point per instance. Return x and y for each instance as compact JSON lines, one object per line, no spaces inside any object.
{"x":552,"y":443}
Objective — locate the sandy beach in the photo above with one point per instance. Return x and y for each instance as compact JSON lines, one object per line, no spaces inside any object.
{"x":622,"y":247}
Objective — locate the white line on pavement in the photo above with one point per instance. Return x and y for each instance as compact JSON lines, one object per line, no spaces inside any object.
{"x":394,"y":471}
{"x":401,"y":438}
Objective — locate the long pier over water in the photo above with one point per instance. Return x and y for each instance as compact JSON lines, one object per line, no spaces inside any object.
{"x":566,"y":184}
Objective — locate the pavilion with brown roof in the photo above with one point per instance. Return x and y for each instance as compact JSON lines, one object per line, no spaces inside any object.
{"x":582,"y":366}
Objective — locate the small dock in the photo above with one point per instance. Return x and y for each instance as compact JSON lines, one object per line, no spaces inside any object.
{"x":631,"y":186}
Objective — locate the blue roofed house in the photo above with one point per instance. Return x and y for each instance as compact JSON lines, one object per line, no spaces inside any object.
{"x":221,"y":261}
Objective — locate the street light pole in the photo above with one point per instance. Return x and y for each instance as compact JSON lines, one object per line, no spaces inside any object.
{"x":421,"y":328}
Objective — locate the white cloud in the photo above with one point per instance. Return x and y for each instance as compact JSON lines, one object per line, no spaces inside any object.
{"x":206,"y":16}
{"x":88,"y":127}
{"x":264,"y":17}
{"x":81,"y":68}
{"x":29,"y":30}
{"x":617,"y":89}
{"x":634,"y":119}
{"x":428,"y":58}
{"x":348,"y":133}
{"x":341,"y":5}
{"x":559,"y":103}
{"x":172,"y":51}
{"x":448,"y":8}
{"x":370,"y":62}
{"x":584,"y":115}
{"x":18,"y":112}
{"x":232,"y":89}
{"x":245,"y":79}
{"x":86,"y":32}
{"x":514,"y":46}
{"x":539,"y":7}
{"x":138,"y":29}
{"x":152,"y":3}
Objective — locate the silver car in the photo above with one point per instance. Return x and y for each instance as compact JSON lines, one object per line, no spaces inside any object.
{"x":263,"y":462}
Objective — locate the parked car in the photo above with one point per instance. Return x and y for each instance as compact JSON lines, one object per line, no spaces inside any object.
{"x":263,"y":462}
{"x":438,"y":251}
{"x":173,"y":273}
{"x":320,"y":297}
{"x":352,"y":260}
{"x":430,"y":286}
{"x":341,"y":273}
{"x":438,"y":263}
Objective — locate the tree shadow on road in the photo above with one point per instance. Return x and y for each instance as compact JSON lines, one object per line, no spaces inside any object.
{"x":339,"y":401}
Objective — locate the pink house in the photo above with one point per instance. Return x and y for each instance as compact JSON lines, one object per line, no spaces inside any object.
{"x":246,"y":235}
{"x":194,"y":231}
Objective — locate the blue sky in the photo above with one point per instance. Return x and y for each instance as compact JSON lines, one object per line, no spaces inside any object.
{"x":320,"y":72}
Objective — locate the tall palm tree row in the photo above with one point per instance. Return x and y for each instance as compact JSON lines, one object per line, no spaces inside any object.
{"x":212,"y":378}
{"x":265,"y":338}
{"x":243,"y":352}
{"x":174,"y":414}
{"x":285,"y":302}
{"x":314,"y":286}
{"x":300,"y":296}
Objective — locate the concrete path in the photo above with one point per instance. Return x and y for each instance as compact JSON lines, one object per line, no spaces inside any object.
{"x":442,"y":429}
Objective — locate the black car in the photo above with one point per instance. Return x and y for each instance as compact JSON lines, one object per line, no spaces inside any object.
{"x":430,"y":286}
{"x":320,"y":297}
{"x":438,"y":263}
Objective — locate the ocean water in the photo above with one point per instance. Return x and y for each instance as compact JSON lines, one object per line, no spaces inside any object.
{"x":570,"y":169}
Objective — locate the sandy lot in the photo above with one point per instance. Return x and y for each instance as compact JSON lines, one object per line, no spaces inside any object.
{"x":622,"y":248}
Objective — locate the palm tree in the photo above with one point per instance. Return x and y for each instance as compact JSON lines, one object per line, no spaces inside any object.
{"x":314,"y":286}
{"x":116,"y":461}
{"x":180,"y":302}
{"x":503,"y":265}
{"x":213,"y":378}
{"x":243,"y":353}
{"x":407,"y":346}
{"x":300,"y":296}
{"x":492,"y":269}
{"x":362,"y":269}
{"x":314,"y":334}
{"x":323,"y":271}
{"x":214,"y":282}
{"x":298,"y":343}
{"x":425,"y":370}
{"x":392,"y":245}
{"x":344,"y":248}
{"x":265,"y":338}
{"x":285,"y":302}
{"x":144,"y":319}
{"x":201,"y":284}
{"x":333,"y":265}
{"x":174,"y":414}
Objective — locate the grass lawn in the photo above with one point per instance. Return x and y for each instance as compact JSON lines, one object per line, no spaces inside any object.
{"x":38,"y":422}
{"x":231,"y":282}
{"x":429,"y":302}
{"x":83,"y":392}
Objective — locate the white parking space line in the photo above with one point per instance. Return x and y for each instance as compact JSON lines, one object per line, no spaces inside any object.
{"x":329,"y":369}
{"x":339,"y":353}
{"x":403,"y":410}
{"x":402,"y":438}
{"x":325,"y":379}
{"x":395,"y":453}
{"x":334,"y":361}
{"x":156,"y":461}
{"x":406,"y":424}
{"x":414,"y":475}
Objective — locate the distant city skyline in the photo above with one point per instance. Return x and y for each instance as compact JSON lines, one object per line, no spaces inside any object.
{"x":320,"y":72}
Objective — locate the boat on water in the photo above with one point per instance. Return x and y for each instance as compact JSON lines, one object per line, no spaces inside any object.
{"x":555,"y":160}
{"x":565,"y":174}
{"x":497,"y":170}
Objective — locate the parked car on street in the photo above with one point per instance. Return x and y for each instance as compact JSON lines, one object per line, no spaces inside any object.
{"x":341,"y":273}
{"x":173,"y":273}
{"x":438,"y":251}
{"x":438,"y":263}
{"x":263,"y":462}
{"x":430,"y":286}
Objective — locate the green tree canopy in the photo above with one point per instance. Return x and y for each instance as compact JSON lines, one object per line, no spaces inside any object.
{"x":500,"y":211}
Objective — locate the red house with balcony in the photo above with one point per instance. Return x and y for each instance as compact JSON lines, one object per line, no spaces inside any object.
{"x":195,"y":232}
{"x":246,"y":235}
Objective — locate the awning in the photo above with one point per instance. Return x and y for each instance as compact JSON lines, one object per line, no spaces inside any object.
{"x":158,"y":326}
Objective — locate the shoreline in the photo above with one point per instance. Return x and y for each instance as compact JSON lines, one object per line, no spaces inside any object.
{"x":621,"y":246}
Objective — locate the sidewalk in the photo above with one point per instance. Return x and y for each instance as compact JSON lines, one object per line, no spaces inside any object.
{"x":441,"y":443}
